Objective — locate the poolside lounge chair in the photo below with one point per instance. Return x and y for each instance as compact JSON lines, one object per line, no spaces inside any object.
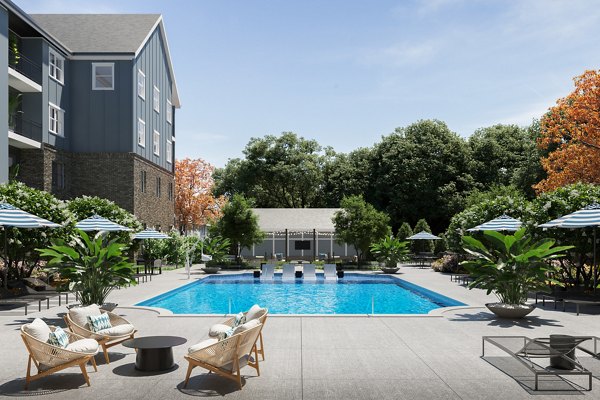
{"x":330,"y":272}
{"x":268,"y":270}
{"x":255,"y":312}
{"x":289,"y":272}
{"x":308,"y":272}
{"x":560,"y":349}
{"x":48,"y":358}
{"x":228,"y":356}
{"x":120,"y":331}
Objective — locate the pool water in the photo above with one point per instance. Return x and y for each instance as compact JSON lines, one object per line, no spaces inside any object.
{"x":353,"y":294}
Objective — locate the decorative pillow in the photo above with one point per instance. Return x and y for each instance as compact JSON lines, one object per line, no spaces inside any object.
{"x":38,"y":329}
{"x":99,"y":322}
{"x":244,"y":327}
{"x":225,"y":334}
{"x":58,"y":338}
{"x":253,"y":312}
{"x":239,"y":319}
{"x":79,"y":314}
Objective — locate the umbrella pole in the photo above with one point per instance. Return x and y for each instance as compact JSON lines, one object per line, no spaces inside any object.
{"x":5,"y":274}
{"x":595,"y":268}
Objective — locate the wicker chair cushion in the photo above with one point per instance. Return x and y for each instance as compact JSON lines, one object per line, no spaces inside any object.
{"x":248,"y":325}
{"x":58,"y":338}
{"x":89,"y":346}
{"x":118,"y":330}
{"x":255,"y":312}
{"x":79,"y":314}
{"x":243,"y":362}
{"x":202,"y":344}
{"x":218,"y":329}
{"x":38,"y":329}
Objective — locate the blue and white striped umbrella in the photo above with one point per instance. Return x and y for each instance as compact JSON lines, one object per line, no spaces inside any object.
{"x":502,"y":223}
{"x":586,"y":217}
{"x":423,"y":236}
{"x":98,"y":223}
{"x":13,"y":216}
{"x":150,"y":234}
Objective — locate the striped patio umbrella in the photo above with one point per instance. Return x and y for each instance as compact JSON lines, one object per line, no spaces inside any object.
{"x":587,"y":217}
{"x":15,"y":217}
{"x":98,"y":223}
{"x":423,"y":236}
{"x":502,"y":223}
{"x":150,"y":234}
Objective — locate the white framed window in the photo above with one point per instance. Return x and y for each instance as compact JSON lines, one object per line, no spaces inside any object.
{"x":141,"y":84}
{"x":55,"y":119}
{"x":141,"y":130}
{"x":56,"y":65}
{"x":169,"y":151}
{"x":169,"y":112}
{"x":103,"y":76}
{"x":156,"y":99}
{"x":156,"y":143}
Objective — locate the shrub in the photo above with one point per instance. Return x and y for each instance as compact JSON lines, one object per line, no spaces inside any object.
{"x":448,"y":263}
{"x":422,"y":246}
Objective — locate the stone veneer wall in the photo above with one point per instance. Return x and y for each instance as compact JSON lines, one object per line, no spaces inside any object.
{"x":114,"y":176}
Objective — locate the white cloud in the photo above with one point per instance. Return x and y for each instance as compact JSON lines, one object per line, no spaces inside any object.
{"x":403,"y":54}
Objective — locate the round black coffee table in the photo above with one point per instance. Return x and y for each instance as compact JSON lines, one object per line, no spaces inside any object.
{"x":154,"y":353}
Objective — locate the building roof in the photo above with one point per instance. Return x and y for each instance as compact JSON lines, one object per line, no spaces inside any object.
{"x":296,"y":219}
{"x":99,"y":33}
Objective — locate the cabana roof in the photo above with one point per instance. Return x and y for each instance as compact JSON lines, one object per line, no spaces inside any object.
{"x":276,"y":220}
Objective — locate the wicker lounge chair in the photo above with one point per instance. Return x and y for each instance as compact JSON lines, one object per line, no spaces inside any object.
{"x":268,"y":270}
{"x":226,"y":357}
{"x":255,"y":312}
{"x":330,"y":272}
{"x":308,"y":272}
{"x":289,"y":272}
{"x":121,"y":328}
{"x":49,"y":359}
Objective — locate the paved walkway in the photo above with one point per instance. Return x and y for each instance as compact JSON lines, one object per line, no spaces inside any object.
{"x":431,"y":357}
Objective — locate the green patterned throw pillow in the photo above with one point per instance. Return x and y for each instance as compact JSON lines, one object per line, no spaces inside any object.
{"x":99,"y":322}
{"x":239,"y":320}
{"x":58,"y":338}
{"x":225,"y":334}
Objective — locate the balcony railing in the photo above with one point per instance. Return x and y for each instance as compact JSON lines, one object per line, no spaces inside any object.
{"x":19,"y":62}
{"x":24,"y":127}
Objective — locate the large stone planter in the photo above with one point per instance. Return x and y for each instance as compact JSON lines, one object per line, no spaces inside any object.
{"x":510,"y":311}
{"x":389,"y":270}
{"x":211,"y":270}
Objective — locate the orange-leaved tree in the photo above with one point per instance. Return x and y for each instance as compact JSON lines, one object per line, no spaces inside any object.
{"x":570,"y":134}
{"x":195,"y":204}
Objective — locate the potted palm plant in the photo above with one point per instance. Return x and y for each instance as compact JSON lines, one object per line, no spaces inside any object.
{"x":511,"y":266}
{"x":216,"y":247}
{"x":389,"y":252}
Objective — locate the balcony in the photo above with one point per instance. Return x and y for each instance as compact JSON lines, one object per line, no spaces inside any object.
{"x":23,"y":133}
{"x":24,"y":74}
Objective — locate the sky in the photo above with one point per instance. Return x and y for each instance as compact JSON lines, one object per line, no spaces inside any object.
{"x":346,"y":72}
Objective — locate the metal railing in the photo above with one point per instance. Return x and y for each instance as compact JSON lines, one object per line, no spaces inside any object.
{"x":22,"y":64}
{"x":25,"y":127}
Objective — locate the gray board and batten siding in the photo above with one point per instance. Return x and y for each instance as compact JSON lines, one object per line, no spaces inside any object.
{"x":3,"y":94}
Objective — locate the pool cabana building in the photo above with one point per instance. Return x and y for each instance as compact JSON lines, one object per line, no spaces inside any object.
{"x":298,"y":234}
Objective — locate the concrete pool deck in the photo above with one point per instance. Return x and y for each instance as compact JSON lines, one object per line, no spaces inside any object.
{"x":360,"y":357}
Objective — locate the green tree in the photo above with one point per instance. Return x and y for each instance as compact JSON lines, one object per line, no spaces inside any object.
{"x":422,"y":246}
{"x":422,"y":171}
{"x":20,"y":256}
{"x":404,"y":231}
{"x":278,"y":171}
{"x":360,"y":224}
{"x":239,"y":224}
{"x":347,"y":175}
{"x":440,"y":246}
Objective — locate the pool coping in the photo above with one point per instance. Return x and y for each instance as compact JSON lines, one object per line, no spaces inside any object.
{"x":435,"y":313}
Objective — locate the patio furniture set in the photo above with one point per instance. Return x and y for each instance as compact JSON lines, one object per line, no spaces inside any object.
{"x":307,"y":272}
{"x":235,"y":343}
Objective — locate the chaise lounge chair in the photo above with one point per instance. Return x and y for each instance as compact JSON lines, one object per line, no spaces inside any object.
{"x":119,"y":331}
{"x":255,"y":312}
{"x":289,"y":272}
{"x":49,"y":358}
{"x":268,"y":270}
{"x":308,"y":272}
{"x":228,"y":356}
{"x":330,"y":272}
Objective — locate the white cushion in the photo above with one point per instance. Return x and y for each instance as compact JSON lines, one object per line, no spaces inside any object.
{"x":248,"y":325}
{"x":255,"y":312}
{"x":38,"y":329}
{"x":79,"y":314}
{"x":118,"y":330}
{"x":217,"y":329}
{"x":84,"y":346}
{"x":202,"y":344}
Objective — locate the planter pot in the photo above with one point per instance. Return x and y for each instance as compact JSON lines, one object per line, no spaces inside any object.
{"x":211,"y":270}
{"x":510,"y":311}
{"x":389,"y":270}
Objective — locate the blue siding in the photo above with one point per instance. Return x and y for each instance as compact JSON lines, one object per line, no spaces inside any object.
{"x":152,"y":62}
{"x":58,"y":94}
{"x":3,"y":96}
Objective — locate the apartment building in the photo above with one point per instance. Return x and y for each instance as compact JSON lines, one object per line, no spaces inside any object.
{"x":91,"y":103}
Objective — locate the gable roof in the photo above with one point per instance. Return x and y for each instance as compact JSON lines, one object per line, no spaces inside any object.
{"x":296,"y":219}
{"x":107,"y":34}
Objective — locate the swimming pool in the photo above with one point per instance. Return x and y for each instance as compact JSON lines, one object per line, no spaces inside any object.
{"x":353,"y":294}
